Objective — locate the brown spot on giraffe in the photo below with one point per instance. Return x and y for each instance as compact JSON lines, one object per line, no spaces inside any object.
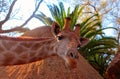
{"x":24,"y":55}
{"x":1,"y":49}
{"x":21,"y":61}
{"x":36,"y":46}
{"x":19,"y":49}
{"x":26,"y":45}
{"x":9,"y":57}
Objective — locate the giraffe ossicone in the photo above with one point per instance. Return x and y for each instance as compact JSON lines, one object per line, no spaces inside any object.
{"x":27,"y":48}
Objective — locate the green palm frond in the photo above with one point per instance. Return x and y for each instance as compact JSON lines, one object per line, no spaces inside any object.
{"x":75,"y":15}
{"x":85,"y":22}
{"x":59,"y":14}
{"x":98,"y":60}
{"x":99,"y":51}
{"x":101,"y":43}
{"x":94,"y":31}
{"x":42,"y":17}
{"x":90,"y":27}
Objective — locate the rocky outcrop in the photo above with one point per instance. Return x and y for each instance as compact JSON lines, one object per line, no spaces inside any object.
{"x":50,"y":68}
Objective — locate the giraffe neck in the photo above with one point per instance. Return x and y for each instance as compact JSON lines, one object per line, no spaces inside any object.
{"x":16,"y":51}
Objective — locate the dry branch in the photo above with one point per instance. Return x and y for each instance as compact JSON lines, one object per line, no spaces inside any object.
{"x":18,"y":28}
{"x":8,"y":15}
{"x":31,"y":15}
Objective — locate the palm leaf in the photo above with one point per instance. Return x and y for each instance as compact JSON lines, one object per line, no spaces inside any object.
{"x":42,"y":17}
{"x":75,"y":15}
{"x":86,"y":21}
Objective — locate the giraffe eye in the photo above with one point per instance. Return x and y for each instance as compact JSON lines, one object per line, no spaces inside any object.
{"x":60,"y":37}
{"x":78,"y":47}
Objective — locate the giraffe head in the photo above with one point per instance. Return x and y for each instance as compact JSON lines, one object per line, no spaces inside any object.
{"x":68,"y":42}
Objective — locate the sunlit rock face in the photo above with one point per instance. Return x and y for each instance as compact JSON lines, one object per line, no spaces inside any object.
{"x":50,"y":68}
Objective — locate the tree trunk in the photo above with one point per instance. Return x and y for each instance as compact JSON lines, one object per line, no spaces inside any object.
{"x":113,"y":71}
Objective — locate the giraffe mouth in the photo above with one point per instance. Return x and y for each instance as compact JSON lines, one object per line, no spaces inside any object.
{"x":71,"y":63}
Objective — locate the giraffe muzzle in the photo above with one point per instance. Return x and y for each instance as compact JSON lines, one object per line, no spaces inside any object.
{"x":72,"y":57}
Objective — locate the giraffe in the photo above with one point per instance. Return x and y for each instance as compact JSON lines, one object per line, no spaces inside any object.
{"x":28,"y":49}
{"x":45,"y":31}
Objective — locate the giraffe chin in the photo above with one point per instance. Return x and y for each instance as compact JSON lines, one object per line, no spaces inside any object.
{"x":71,"y":64}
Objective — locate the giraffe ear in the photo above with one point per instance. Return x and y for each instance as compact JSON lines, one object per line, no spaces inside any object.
{"x":55,"y":28}
{"x":84,"y":41}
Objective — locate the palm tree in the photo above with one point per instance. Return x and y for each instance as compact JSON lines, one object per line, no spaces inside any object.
{"x":100,"y":49}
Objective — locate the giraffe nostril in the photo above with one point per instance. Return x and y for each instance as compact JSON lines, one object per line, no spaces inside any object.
{"x":76,"y":56}
{"x":71,"y":54}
